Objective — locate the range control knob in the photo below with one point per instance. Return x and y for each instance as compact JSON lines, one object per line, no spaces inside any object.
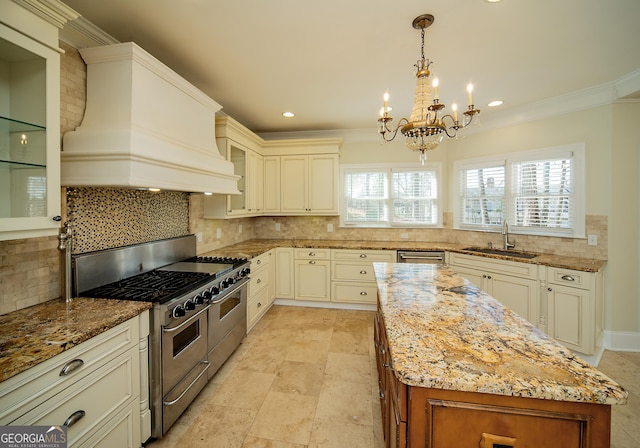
{"x":206,"y":295}
{"x":189,"y":305}
{"x":224,"y":284}
{"x":231,"y":281}
{"x":178,"y":311}
{"x":245,"y":272}
{"x":200,"y":298}
{"x":215,"y":290}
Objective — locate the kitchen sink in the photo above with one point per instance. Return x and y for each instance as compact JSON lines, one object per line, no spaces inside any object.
{"x":506,"y":253}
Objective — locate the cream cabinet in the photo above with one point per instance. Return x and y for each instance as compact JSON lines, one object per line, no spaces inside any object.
{"x":271,"y":184}
{"x":30,"y":118}
{"x":313,"y":274}
{"x":575,"y":308}
{"x":260,"y":296}
{"x":352,"y":276}
{"x":96,"y":388}
{"x":309,"y":184}
{"x":285,"y":273}
{"x":514,"y":284}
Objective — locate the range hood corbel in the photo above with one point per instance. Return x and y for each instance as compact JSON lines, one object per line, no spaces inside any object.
{"x":144,"y":126}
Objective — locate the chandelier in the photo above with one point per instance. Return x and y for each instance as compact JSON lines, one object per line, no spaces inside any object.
{"x":426,"y":128}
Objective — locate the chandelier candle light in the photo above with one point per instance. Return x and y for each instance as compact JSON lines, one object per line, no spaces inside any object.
{"x":425,"y":128}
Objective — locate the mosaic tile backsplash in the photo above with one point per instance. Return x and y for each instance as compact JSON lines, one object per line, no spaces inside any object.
{"x":104,"y":218}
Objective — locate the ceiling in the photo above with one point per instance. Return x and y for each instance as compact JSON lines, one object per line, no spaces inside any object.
{"x":330,"y":61}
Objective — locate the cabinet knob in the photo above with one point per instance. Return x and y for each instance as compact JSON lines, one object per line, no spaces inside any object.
{"x":57,"y":218}
{"x":312,"y":254}
{"x":259,"y":304}
{"x":363,"y":255}
{"x":312,"y":261}
{"x":549,"y":289}
{"x":363,"y":272}
{"x":488,"y":276}
{"x":363,"y":293}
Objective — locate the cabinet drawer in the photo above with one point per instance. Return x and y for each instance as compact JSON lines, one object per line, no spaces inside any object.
{"x":99,"y":396}
{"x":260,"y":260}
{"x":524,"y":270}
{"x":24,"y":391}
{"x":257,"y":305}
{"x":361,"y":255}
{"x":569,"y":277}
{"x":355,"y":292}
{"x":120,"y":431}
{"x":307,"y":254}
{"x":259,"y":279}
{"x":346,"y":271}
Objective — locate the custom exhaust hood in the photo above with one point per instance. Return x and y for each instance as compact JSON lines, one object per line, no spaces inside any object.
{"x":144,"y":127}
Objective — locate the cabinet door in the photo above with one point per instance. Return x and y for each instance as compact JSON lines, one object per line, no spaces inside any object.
{"x":570,"y":317}
{"x":313,"y":280}
{"x":29,"y":136}
{"x":236,"y":154}
{"x":323,"y":183}
{"x":271,"y":184}
{"x":284,"y":273}
{"x":474,"y":276}
{"x":519,"y":294}
{"x":293,"y":184}
{"x":255,"y":200}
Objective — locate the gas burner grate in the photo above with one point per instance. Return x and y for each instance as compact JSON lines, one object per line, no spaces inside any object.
{"x":219,"y":260}
{"x":154,"y":286}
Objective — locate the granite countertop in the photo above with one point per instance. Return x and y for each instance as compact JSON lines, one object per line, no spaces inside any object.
{"x":32,"y":335}
{"x":445,"y":333}
{"x":253,"y":248}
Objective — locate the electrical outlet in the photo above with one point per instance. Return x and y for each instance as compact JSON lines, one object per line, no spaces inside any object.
{"x":404,"y":236}
{"x":592,"y":240}
{"x":199,"y":237}
{"x":277,"y":227}
{"x":218,"y":233}
{"x":329,"y":227}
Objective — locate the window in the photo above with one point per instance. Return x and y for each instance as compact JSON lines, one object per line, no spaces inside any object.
{"x":536,"y":192}
{"x":383,"y":196}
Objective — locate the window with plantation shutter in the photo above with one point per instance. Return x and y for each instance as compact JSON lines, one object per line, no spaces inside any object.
{"x":537,"y":192}
{"x":385,"y":196}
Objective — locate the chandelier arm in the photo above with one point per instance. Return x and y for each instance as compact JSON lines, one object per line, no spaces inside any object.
{"x":393,"y":132}
{"x":452,"y":130}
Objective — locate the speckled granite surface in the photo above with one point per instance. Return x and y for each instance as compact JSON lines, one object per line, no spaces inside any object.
{"x":445,"y":333}
{"x":252,"y":248}
{"x":33,"y":335}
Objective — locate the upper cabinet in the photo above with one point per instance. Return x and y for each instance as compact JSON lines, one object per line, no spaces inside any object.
{"x":277,"y":177}
{"x":30,"y":119}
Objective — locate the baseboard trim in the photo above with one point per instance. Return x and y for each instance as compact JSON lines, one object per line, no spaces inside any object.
{"x":622,"y":341}
{"x":340,"y":306}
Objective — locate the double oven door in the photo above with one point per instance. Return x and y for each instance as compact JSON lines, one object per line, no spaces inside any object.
{"x":184,"y":363}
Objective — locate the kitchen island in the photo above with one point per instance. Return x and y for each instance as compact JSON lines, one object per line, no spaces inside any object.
{"x":457,"y":368}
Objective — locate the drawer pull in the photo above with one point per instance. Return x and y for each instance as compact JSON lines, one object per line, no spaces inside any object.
{"x":363,"y":293}
{"x":312,"y":254}
{"x":74,"y":418}
{"x":71,"y":367}
{"x":363,"y":272}
{"x":568,"y":278}
{"x":259,"y":280}
{"x":259,"y":262}
{"x":259,"y":304}
{"x":363,"y":255}
{"x":312,"y":262}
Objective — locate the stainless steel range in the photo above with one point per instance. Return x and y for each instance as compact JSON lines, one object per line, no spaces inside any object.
{"x":198,"y":316}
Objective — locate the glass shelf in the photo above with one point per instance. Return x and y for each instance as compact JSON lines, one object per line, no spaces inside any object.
{"x":22,"y":144}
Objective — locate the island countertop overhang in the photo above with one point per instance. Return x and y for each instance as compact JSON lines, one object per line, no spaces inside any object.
{"x":445,"y":333}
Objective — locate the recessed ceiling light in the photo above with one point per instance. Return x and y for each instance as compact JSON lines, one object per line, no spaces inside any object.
{"x":288,"y":114}
{"x":495,"y":103}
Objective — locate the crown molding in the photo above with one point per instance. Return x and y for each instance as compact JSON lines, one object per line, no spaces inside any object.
{"x":52,"y":11}
{"x":81,"y":33}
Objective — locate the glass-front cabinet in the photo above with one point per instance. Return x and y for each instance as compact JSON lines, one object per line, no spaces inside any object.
{"x":29,"y":136}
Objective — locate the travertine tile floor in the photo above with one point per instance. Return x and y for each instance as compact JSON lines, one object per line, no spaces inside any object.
{"x":306,"y":377}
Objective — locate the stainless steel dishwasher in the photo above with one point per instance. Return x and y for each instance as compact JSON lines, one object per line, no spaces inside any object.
{"x":421,"y":256}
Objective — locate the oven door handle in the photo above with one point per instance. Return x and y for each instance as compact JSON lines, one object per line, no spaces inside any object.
{"x":172,"y":402}
{"x":186,"y":322}
{"x":226,"y":292}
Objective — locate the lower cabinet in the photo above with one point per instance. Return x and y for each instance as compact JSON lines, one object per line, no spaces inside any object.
{"x":313,"y":274}
{"x":352,"y":276}
{"x":261,"y":291}
{"x":95,"y":388}
{"x":284,"y":273}
{"x":575,"y":308}
{"x":514,"y":284}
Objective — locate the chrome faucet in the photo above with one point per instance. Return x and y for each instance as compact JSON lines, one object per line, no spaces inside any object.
{"x":65,"y":239}
{"x":506,"y":245}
